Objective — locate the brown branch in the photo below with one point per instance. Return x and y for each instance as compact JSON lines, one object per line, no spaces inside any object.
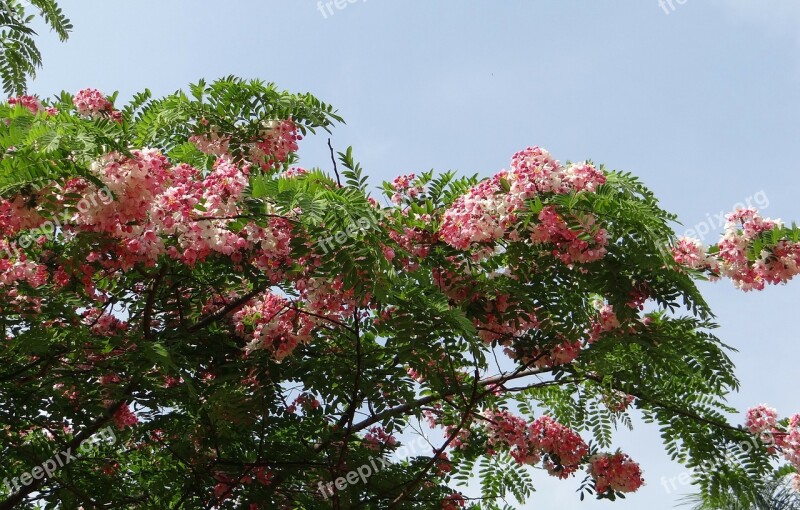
{"x":233,"y":305}
{"x":421,"y":476}
{"x":335,"y":168}
{"x":151,"y":299}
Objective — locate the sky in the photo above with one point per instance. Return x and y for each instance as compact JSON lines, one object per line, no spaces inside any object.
{"x":699,"y":98}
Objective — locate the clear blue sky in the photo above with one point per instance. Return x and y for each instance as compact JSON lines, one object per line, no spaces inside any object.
{"x":702,"y":103}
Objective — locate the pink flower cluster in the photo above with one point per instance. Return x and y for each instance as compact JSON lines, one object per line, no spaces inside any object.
{"x":501,"y":327}
{"x":617,"y":401}
{"x":762,"y":421}
{"x":21,"y":270}
{"x":226,"y":483}
{"x":615,"y":473}
{"x":103,"y":324}
{"x":776,"y":263}
{"x":741,"y":228}
{"x":212,"y":143}
{"x":454,"y":501}
{"x":279,"y":139}
{"x":376,"y":438}
{"x":32,"y":103}
{"x":568,"y":244}
{"x":92,"y":103}
{"x":561,"y":448}
{"x":691,"y":253}
{"x":274,"y":324}
{"x":124,"y":418}
{"x":306,"y":401}
{"x":155,"y":200}
{"x":543,"y":357}
{"x":605,"y":322}
{"x":489,"y":210}
{"x":403,"y":185}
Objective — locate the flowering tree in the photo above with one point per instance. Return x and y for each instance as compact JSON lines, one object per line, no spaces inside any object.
{"x":259,"y":335}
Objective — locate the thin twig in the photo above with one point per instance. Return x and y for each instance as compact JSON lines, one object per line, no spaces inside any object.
{"x":335,"y":168}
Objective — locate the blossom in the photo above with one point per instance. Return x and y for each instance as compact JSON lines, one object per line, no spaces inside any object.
{"x":453,"y":502}
{"x":279,"y":140}
{"x":271,"y":323}
{"x":32,"y":103}
{"x":123,"y":417}
{"x":761,"y":419}
{"x":615,"y":473}
{"x":565,"y":449}
{"x":691,"y":253}
{"x":92,"y":103}
{"x":377,"y":438}
{"x":488,"y":211}
{"x":213,"y":142}
{"x":561,"y":448}
{"x":605,"y":322}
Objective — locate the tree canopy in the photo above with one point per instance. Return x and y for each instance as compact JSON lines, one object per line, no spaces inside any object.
{"x":253,"y":334}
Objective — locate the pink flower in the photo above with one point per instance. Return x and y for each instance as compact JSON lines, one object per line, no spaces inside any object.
{"x":123,"y":417}
{"x":376,"y":438}
{"x":453,"y":502}
{"x":691,"y":253}
{"x":615,"y":473}
{"x":32,"y":103}
{"x":279,"y":141}
{"x":761,"y":419}
{"x":92,"y":103}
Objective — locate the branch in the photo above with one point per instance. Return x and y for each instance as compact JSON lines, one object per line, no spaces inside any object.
{"x":493,"y":382}
{"x":421,"y":476}
{"x":335,"y":168}
{"x":17,"y":497}
{"x":222,"y":312}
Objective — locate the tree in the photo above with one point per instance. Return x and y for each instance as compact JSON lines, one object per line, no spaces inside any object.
{"x":208,"y":325}
{"x":19,"y":56}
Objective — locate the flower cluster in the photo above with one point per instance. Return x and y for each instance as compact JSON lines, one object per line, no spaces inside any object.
{"x":124,"y":418}
{"x":377,"y":438}
{"x":212,"y":143}
{"x":561,"y":449}
{"x":691,"y":253}
{"x":615,"y":473}
{"x":279,"y":139}
{"x":605,"y":322}
{"x":272,"y":323}
{"x":32,"y":103}
{"x":777,"y":262}
{"x":762,"y":421}
{"x":403,"y":186}
{"x":92,"y":103}
{"x":454,"y":501}
{"x":617,"y":401}
{"x":488,"y":212}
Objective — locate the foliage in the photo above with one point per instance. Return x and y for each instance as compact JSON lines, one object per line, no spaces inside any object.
{"x":255,"y":331}
{"x":19,"y":56}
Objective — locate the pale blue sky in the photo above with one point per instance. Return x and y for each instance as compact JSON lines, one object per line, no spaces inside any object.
{"x":702,"y":103}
